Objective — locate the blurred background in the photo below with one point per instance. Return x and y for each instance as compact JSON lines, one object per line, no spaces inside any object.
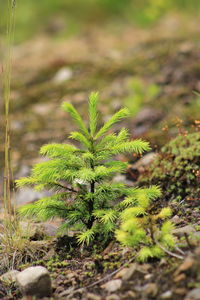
{"x":67,"y":17}
{"x":140,"y":53}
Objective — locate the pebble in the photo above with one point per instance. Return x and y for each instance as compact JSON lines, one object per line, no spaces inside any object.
{"x":166,"y":295}
{"x":35,"y":281}
{"x":193,"y":294}
{"x":148,"y":276}
{"x":63,"y":75}
{"x":176,"y":219}
{"x":188,"y":229}
{"x":121,"y":273}
{"x":130,"y":272}
{"x":91,"y":296}
{"x":113,"y":297}
{"x":150,"y":289}
{"x":112,"y":285}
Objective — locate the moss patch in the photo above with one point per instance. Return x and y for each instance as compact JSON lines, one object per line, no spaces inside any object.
{"x":176,"y":169}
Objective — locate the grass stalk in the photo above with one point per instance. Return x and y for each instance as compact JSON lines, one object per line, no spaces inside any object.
{"x":6,"y":94}
{"x":9,"y":210}
{"x":15,"y":245}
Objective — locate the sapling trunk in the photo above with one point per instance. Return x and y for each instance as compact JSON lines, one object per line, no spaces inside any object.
{"x":91,"y":206}
{"x":92,"y":190}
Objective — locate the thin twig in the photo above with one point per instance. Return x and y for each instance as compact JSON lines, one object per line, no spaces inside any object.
{"x":169,"y":252}
{"x":65,"y":187}
{"x":179,"y":250}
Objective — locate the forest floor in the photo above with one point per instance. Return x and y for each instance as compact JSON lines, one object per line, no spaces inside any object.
{"x":47,"y":72}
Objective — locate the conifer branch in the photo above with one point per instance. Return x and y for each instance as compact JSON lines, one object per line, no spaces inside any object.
{"x":118,"y":116}
{"x":68,"y":107}
{"x":93,"y":112}
{"x":65,"y":187}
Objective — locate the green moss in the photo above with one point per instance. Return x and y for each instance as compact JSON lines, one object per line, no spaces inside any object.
{"x":176,"y":169}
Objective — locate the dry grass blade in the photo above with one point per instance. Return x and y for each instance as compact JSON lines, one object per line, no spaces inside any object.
{"x":12,"y":243}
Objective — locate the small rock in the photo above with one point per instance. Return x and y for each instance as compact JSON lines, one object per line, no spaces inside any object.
{"x":138,"y":288}
{"x":35,"y":281}
{"x":9,"y":276}
{"x":186,"y":265}
{"x":180,"y":291}
{"x":145,"y":160}
{"x":67,"y":292}
{"x":37,"y":231}
{"x":112,"y":285}
{"x":150,"y":289}
{"x":121,"y":273}
{"x":139,"y":167}
{"x":193,"y":294}
{"x":122,"y":178}
{"x":176,"y":219}
{"x":166,"y":295}
{"x":63,"y":75}
{"x":163,"y":262}
{"x":148,"y":276}
{"x":144,"y":268}
{"x":113,"y":297}
{"x":179,"y":278}
{"x":49,"y":229}
{"x":130,"y":295}
{"x":182,"y":230}
{"x":91,"y":296}
{"x":130,"y":272}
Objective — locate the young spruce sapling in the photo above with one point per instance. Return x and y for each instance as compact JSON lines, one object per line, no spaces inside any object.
{"x":83,"y":195}
{"x":151,"y":233}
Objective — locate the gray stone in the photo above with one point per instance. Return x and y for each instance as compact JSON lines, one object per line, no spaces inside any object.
{"x":130,"y":272}
{"x":112,"y":285}
{"x":63,"y":75}
{"x":176,"y":219}
{"x":35,"y":281}
{"x":49,"y":229}
{"x":188,"y":229}
{"x":166,"y":295}
{"x":122,"y":178}
{"x":145,"y":160}
{"x":193,"y":294}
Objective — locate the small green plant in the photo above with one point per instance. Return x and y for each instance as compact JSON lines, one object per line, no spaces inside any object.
{"x":141,"y":228}
{"x":80,"y":178}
